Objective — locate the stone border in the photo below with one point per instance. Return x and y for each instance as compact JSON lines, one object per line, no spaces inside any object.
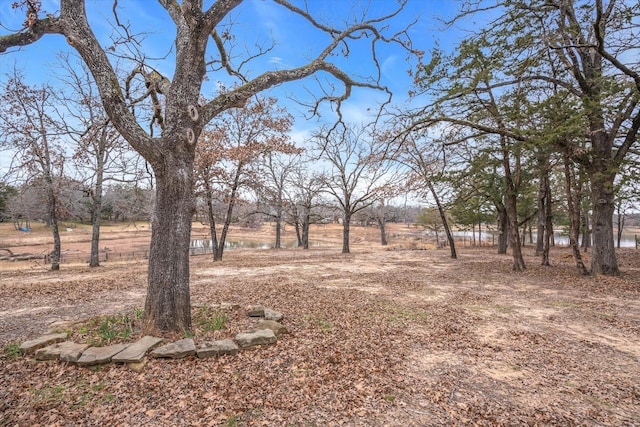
{"x":54,"y":346}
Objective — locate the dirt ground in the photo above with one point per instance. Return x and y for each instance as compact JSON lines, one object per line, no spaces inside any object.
{"x":383,"y":336}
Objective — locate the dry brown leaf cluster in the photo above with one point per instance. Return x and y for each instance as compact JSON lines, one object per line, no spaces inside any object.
{"x":378,"y":337}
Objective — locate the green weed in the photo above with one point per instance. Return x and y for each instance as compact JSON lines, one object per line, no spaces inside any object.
{"x":12,"y":350}
{"x":209,"y":319}
{"x":232,"y":421}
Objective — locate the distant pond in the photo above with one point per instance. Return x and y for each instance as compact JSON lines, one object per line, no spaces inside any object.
{"x":205,"y":245}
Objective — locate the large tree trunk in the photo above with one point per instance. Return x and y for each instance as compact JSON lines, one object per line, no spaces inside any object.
{"x":603,"y":257}
{"x":346,"y":226}
{"x":548,"y":226}
{"x":296,"y":225}
{"x":305,"y":228}
{"x":95,"y":217}
{"x":383,"y":231}
{"x":53,"y":222}
{"x":278,"y":243}
{"x":168,"y":305}
{"x":503,"y":229}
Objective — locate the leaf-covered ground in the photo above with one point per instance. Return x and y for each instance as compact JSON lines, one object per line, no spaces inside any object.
{"x":378,"y":337}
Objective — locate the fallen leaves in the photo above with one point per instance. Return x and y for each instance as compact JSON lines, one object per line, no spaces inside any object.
{"x":377,"y":338}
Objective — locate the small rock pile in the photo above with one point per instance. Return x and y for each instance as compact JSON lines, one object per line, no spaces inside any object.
{"x":54,"y":346}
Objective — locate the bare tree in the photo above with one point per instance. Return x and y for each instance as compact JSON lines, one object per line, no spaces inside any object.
{"x":303,"y":190}
{"x":101,"y":154}
{"x":358,"y":172}
{"x":178,"y":111}
{"x":29,"y":128}
{"x":276,"y":170}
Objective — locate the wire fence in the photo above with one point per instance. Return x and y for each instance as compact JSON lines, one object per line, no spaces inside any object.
{"x":113,"y":256}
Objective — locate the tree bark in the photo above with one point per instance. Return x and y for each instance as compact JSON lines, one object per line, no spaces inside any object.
{"x":543,"y":183}
{"x":305,"y":228}
{"x":346,"y":225}
{"x":620,"y":223}
{"x":94,"y":260}
{"x":168,"y":305}
{"x":503,"y":229}
{"x":53,"y":222}
{"x":603,"y":256}
{"x":512,"y":210}
{"x":383,"y":231}
{"x":443,"y":218}
{"x":96,"y":211}
{"x":548,"y":226}
{"x":229,"y":215}
{"x":574,"y":217}
{"x":278,"y":242}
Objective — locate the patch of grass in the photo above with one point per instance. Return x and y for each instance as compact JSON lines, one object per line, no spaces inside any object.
{"x":12,"y":350}
{"x":104,"y":330}
{"x":113,"y":327}
{"x":320,"y":321}
{"x":232,"y":421}
{"x":209,"y":319}
{"x":503,"y":308}
{"x":564,"y":304}
{"x":396,"y":313}
{"x":49,"y":394}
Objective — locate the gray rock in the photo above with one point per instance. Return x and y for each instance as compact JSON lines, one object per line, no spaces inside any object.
{"x":250,"y":339}
{"x":66,"y":351}
{"x":217,"y":348}
{"x":31,"y":346}
{"x":136,"y":351}
{"x":229,"y":306}
{"x":272,"y":315}
{"x":73,"y":353}
{"x":100,"y":355}
{"x":276,"y":327}
{"x":176,"y":350}
{"x":255,"y":311}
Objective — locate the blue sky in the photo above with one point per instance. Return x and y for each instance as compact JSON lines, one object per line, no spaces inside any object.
{"x":255,"y":21}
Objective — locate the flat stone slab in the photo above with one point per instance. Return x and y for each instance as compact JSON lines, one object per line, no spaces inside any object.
{"x":176,"y":350}
{"x":272,"y":315}
{"x":276,"y":327}
{"x":136,"y":351}
{"x":100,"y":355}
{"x":255,"y":311}
{"x":229,"y":306}
{"x":66,"y":351}
{"x":31,"y":346}
{"x":217,"y":348}
{"x":250,"y":339}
